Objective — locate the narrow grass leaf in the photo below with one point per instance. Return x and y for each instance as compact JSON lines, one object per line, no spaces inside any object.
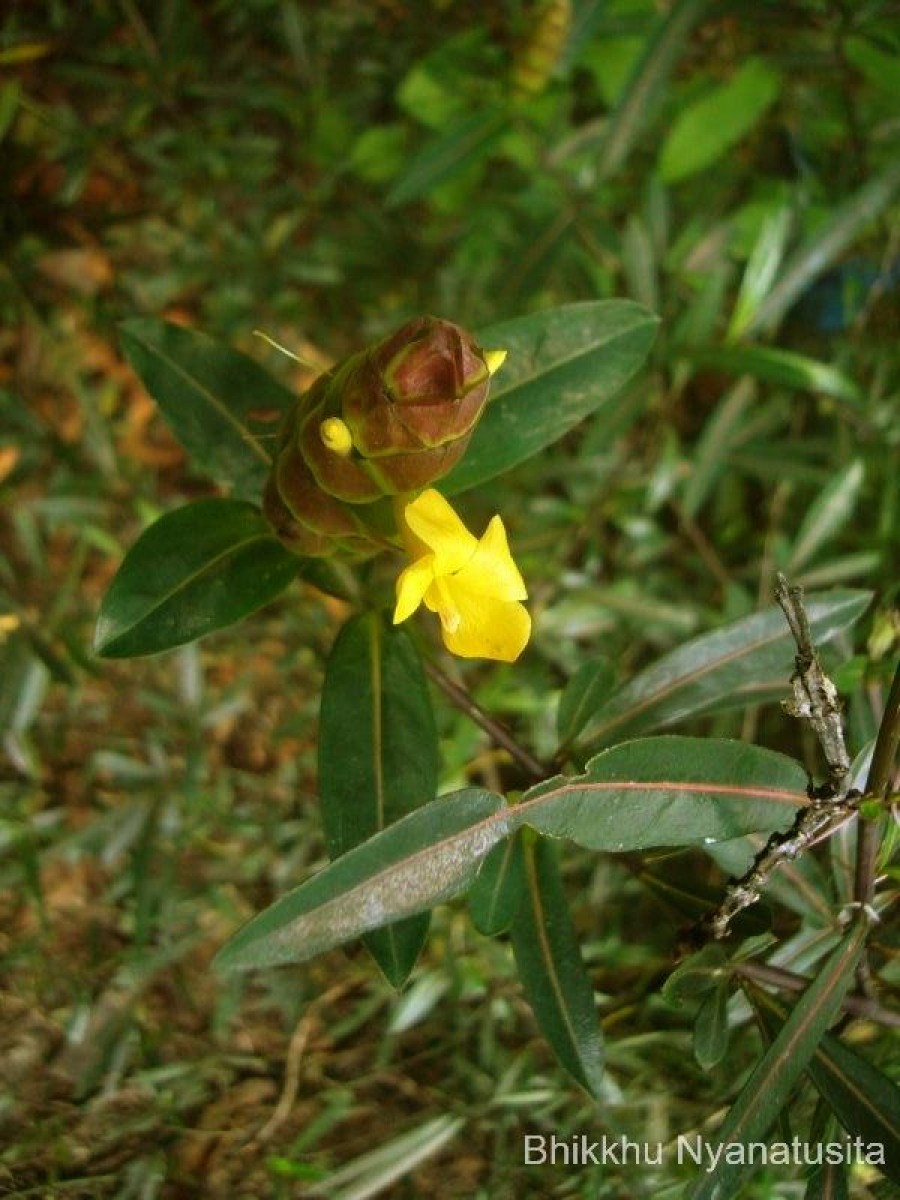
{"x":423,"y":859}
{"x":465,"y":144}
{"x":195,"y":570}
{"x":826,"y":246}
{"x":864,"y":1099}
{"x":220,"y":404}
{"x":736,"y":665}
{"x":827,"y":515}
{"x":668,"y":791}
{"x":548,"y":959}
{"x":377,"y":1170}
{"x":761,"y":270}
{"x":378,"y":756}
{"x":646,"y":89}
{"x":767,"y":1090}
{"x":720,"y":433}
{"x":783,"y":367}
{"x":562,"y":366}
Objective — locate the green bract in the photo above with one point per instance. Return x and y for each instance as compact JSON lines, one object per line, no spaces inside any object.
{"x":387,"y":421}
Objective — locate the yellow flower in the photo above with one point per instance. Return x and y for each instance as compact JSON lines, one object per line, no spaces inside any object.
{"x":474,"y":586}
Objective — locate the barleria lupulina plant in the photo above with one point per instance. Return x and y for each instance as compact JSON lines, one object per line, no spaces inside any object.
{"x":364,"y":463}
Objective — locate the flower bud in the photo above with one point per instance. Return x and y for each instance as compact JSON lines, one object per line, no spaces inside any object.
{"x":387,"y":421}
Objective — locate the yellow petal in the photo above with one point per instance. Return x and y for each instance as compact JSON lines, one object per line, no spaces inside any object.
{"x":431,"y":519}
{"x":488,"y":628}
{"x":412,"y":585}
{"x":491,"y":570}
{"x":494,"y":360}
{"x":336,"y":436}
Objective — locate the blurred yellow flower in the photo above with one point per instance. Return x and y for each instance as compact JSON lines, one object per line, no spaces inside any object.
{"x":474,"y":586}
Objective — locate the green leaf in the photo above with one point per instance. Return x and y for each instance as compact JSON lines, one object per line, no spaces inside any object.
{"x":711,"y":1028}
{"x":378,"y":756}
{"x":497,"y":892}
{"x":827,"y":1182}
{"x":743,"y":663}
{"x":668,"y":791}
{"x":392,"y":1161}
{"x":221,"y":405}
{"x":698,"y":975}
{"x":548,"y":959}
{"x":705,"y":130}
{"x":827,"y":515}
{"x":767,"y":1090}
{"x":465,"y":144}
{"x":864,"y":1099}
{"x":783,"y":367}
{"x":195,"y":570}
{"x":826,"y":246}
{"x":563,"y":365}
{"x":646,"y":87}
{"x":711,"y":455}
{"x":701,"y":791}
{"x":761,"y":270}
{"x":424,"y":859}
{"x":582,"y":696}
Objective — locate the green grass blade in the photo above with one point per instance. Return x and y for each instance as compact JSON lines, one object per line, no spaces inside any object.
{"x":647,"y":86}
{"x":825,"y":248}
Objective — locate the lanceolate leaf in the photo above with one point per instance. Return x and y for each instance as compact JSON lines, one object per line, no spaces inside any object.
{"x":562,"y":366}
{"x":739,"y":664}
{"x":827,"y":515}
{"x":668,"y":791}
{"x":647,"y":86}
{"x":827,"y":245}
{"x":549,"y":963}
{"x":195,"y":570}
{"x":378,"y":755}
{"x":222,"y":406}
{"x":662,"y":791}
{"x":785,"y":367}
{"x":448,"y":154}
{"x":583,"y":695}
{"x":767,"y":1090}
{"x":864,"y":1100}
{"x":497,"y":892}
{"x":704,"y":131}
{"x":424,"y":859}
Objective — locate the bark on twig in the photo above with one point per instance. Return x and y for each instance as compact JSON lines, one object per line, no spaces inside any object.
{"x":814,"y":700}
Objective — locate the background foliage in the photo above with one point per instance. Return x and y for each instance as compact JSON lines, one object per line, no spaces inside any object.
{"x":322,"y":172}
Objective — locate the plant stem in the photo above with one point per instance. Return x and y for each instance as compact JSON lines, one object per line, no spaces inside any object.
{"x":501,"y":736}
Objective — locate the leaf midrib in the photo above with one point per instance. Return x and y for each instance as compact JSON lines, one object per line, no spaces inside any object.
{"x":221,"y":409}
